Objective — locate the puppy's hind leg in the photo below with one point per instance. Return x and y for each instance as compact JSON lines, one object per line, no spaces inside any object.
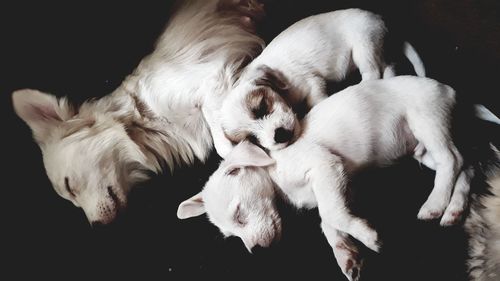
{"x":368,"y":60}
{"x":447,"y":162}
{"x":459,"y":199}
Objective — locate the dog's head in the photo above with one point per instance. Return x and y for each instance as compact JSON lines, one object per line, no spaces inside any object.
{"x":89,"y":160}
{"x":239,"y":198}
{"x":256,"y":109}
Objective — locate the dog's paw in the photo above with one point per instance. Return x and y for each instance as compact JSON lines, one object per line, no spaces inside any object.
{"x":431,"y":210}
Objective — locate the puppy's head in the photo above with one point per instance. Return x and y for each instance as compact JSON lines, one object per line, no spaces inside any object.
{"x":90,"y":160}
{"x":239,"y":198}
{"x":257,"y":110}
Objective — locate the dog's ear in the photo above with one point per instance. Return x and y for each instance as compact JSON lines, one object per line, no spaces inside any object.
{"x":192,"y":207}
{"x":246,"y":154}
{"x":42,"y":112}
{"x":271,"y":78}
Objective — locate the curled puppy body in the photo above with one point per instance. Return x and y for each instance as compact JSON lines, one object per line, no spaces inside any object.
{"x":294,"y":68}
{"x":394,"y":117}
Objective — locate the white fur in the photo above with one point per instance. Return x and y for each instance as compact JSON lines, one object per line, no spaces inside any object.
{"x":156,"y":119}
{"x":483,"y":228}
{"x":370,"y":124}
{"x":294,"y":68}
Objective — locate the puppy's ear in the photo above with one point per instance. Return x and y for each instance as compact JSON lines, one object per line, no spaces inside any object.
{"x":192,"y":207}
{"x":271,"y":78}
{"x":42,"y":112}
{"x":246,"y":154}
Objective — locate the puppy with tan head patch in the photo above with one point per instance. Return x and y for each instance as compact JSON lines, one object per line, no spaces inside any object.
{"x":370,"y":124}
{"x":293,"y":70}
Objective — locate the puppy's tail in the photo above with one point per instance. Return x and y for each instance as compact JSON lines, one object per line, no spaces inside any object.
{"x":412,"y":55}
{"x":485,"y":114}
{"x":482,"y":138}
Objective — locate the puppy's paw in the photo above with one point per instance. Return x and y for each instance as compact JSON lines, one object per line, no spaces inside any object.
{"x":252,"y":8}
{"x":370,"y":239}
{"x":365,"y":234}
{"x":252,"y":11}
{"x":453,"y":214}
{"x":431,"y":210}
{"x":353,"y":273}
{"x":348,"y":259}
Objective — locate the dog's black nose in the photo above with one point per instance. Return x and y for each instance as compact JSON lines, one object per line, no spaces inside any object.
{"x":282,"y":135}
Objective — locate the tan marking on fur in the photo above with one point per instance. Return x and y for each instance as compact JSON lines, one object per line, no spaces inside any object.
{"x":142,"y":107}
{"x":255,"y":97}
{"x":76,"y":125}
{"x":236,"y":137}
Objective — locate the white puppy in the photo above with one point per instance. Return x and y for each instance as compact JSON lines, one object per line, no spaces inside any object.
{"x":370,"y":124}
{"x":156,"y":119}
{"x":294,"y":68}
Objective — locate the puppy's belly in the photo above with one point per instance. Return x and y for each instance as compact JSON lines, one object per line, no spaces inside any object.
{"x":299,"y":193}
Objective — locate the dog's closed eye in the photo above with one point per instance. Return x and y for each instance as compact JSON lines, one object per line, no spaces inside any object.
{"x":68,"y":187}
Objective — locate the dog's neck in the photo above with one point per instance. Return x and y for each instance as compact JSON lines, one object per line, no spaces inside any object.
{"x":161,"y":103}
{"x":166,"y":141}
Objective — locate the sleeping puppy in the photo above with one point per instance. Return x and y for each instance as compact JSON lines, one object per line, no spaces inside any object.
{"x":367,"y":125}
{"x":293,"y":71}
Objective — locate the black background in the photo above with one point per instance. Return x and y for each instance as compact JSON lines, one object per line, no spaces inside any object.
{"x":84,"y":49}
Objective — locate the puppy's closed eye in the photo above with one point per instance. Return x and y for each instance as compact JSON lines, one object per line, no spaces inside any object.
{"x":233,"y":172}
{"x":68,"y":188}
{"x":239,"y":217}
{"x":261,"y":110}
{"x":260,"y":103}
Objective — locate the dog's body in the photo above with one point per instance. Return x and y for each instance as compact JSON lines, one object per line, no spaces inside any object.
{"x":484,"y":233}
{"x":294,"y":69}
{"x":93,"y":155}
{"x":370,"y":124}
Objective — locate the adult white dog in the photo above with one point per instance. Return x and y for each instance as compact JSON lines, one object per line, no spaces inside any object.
{"x":294,"y":68}
{"x":369,"y":124}
{"x":156,"y":119}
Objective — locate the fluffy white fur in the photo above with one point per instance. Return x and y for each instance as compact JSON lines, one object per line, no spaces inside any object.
{"x":293,"y":70}
{"x":483,"y":228}
{"x":370,"y":124}
{"x":156,"y":119}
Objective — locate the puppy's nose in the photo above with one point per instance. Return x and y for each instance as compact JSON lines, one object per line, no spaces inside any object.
{"x":282,"y":135}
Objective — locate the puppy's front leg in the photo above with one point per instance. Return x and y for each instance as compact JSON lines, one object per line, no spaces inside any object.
{"x":317,"y":91}
{"x":329,"y":183}
{"x":222,"y":145}
{"x":345,"y":251}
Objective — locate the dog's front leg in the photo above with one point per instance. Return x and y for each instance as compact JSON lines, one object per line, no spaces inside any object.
{"x":329,"y":183}
{"x":345,"y":251}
